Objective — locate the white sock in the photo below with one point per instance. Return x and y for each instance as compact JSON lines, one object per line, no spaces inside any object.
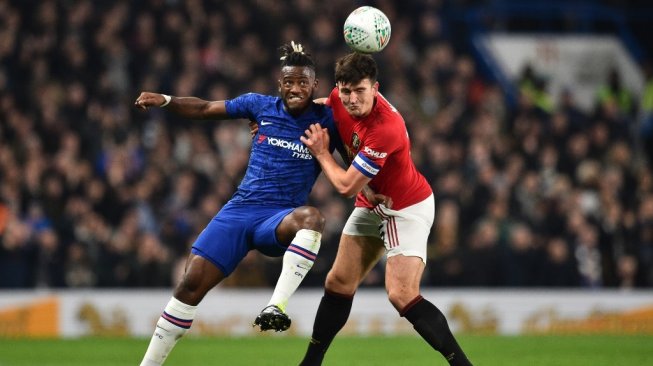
{"x":175,"y":321}
{"x":297,"y":261}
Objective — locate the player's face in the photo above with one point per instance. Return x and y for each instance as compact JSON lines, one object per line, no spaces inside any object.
{"x":358,"y":99}
{"x":296,"y":87}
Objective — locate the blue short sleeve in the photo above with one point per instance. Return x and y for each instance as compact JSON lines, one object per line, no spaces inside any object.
{"x":244,"y":106}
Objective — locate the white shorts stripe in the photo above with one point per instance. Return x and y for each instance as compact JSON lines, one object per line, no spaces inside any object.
{"x":395,"y":235}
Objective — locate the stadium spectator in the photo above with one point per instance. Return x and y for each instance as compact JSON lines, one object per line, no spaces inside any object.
{"x":559,"y":269}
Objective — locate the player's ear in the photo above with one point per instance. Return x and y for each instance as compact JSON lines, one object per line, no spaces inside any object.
{"x":279,"y":85}
{"x":375,"y":88}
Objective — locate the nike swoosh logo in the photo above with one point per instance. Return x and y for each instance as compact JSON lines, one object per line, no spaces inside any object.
{"x":263,"y":123}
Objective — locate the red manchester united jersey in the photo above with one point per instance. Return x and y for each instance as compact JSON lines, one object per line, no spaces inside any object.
{"x":378,"y":146}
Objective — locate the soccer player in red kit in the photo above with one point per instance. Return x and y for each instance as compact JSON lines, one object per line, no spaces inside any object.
{"x":393,"y":218}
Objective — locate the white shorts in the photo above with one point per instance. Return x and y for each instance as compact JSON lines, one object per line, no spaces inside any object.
{"x":404,"y":232}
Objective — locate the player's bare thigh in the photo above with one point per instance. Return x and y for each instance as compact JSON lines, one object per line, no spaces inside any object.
{"x":402,"y":278}
{"x":356,"y":256}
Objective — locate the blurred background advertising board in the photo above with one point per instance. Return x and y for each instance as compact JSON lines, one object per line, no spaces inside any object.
{"x":228,"y":312}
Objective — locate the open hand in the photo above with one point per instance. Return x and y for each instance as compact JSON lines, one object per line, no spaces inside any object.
{"x":316,"y":139}
{"x":253,"y":129}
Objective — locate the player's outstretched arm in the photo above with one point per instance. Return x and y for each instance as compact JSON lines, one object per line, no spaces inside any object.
{"x":187,"y":107}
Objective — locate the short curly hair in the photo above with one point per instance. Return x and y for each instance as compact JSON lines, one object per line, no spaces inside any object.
{"x":355,"y":67}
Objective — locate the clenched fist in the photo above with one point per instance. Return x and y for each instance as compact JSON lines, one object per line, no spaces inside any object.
{"x":148,"y":99}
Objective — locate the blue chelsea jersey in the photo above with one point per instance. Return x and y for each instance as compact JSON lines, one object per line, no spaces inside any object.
{"x":281,"y":171}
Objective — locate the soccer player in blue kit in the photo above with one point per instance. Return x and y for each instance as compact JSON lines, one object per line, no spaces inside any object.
{"x":268,"y":211}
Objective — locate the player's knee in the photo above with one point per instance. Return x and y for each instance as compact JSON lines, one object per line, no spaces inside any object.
{"x":401,"y":296}
{"x":309,"y":217}
{"x":189,"y":290}
{"x":340,"y":283}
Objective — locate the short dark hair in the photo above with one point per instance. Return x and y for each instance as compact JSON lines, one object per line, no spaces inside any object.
{"x":355,"y":67}
{"x":293,"y":54}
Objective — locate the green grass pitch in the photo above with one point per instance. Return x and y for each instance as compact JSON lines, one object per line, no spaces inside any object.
{"x":596,"y":350}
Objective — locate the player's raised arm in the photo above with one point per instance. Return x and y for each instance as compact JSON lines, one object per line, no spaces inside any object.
{"x":187,"y":107}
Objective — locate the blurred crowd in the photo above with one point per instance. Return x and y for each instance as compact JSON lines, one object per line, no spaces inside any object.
{"x":95,"y":193}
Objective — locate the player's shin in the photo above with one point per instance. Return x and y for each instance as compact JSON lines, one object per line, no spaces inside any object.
{"x":332,"y":315}
{"x":431,"y":324}
{"x":297,"y":261}
{"x":175,"y":321}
